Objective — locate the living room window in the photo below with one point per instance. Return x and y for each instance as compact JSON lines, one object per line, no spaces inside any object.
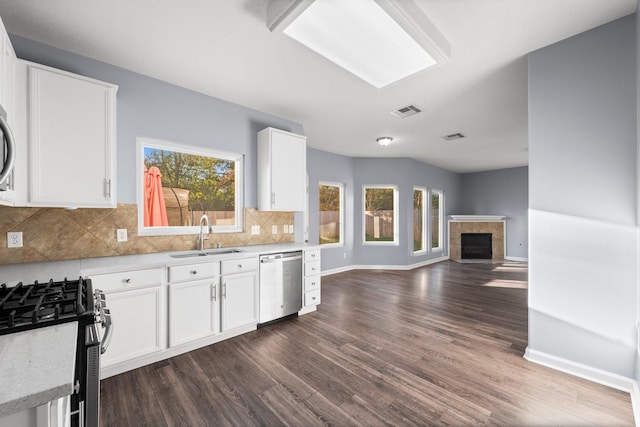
{"x":437,"y":217}
{"x":419,"y":230}
{"x":380,"y":222}
{"x":331,"y":202}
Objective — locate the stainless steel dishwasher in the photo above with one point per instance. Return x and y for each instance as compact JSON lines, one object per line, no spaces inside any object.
{"x":280,"y":285}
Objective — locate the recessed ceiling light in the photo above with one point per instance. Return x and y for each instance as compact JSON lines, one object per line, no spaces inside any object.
{"x":384,"y":140}
{"x":380,"y":41}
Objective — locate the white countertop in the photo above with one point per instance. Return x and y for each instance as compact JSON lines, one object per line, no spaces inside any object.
{"x":124,"y":262}
{"x":36,"y":366}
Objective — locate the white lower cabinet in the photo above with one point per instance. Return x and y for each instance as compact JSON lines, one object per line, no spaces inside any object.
{"x":311,"y":285}
{"x":194,"y":303}
{"x":137,"y":301}
{"x":240,"y":293}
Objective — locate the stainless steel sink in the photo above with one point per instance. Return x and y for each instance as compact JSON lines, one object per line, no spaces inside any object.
{"x":209,"y":252}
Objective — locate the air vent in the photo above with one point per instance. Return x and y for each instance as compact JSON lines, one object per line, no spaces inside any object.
{"x":407,"y":111}
{"x":453,"y":136}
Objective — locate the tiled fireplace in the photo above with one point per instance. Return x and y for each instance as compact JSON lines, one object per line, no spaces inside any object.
{"x":480,"y":225}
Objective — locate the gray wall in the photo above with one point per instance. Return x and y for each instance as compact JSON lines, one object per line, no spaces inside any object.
{"x":582,"y":199}
{"x":405,"y":173}
{"x":357,"y":172}
{"x":151,"y":108}
{"x":501,"y":192}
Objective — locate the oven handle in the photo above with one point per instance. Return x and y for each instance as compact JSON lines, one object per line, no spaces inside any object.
{"x":108,"y":329}
{"x":11,"y":148}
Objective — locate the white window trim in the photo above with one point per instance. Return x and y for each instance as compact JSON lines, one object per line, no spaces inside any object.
{"x":342,"y":215}
{"x":169,"y":145}
{"x":440,"y":221}
{"x":425,"y":225}
{"x":396,"y":233}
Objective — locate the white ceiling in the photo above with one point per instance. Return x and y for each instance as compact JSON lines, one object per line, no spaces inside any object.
{"x":222,"y":48}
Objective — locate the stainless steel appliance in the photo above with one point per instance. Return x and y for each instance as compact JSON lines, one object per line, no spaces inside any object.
{"x":25,"y":307}
{"x":280,"y":285}
{"x":7,"y":151}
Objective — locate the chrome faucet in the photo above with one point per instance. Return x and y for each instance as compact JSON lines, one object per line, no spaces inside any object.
{"x":202,"y":237}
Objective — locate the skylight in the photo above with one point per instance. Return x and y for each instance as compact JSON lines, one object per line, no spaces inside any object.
{"x":361,"y":37}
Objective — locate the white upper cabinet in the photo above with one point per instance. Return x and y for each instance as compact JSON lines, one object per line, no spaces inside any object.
{"x":72,"y":139}
{"x":7,"y":80}
{"x":282,"y":171}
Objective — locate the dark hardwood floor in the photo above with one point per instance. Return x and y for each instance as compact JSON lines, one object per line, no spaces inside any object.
{"x":438,"y":345}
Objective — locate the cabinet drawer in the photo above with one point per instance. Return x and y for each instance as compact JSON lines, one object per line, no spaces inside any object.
{"x":312,"y":255}
{"x":127,"y":279}
{"x":241,"y":265}
{"x":312,"y":297}
{"x":311,"y":268}
{"x":180,"y":273}
{"x":311,"y":283}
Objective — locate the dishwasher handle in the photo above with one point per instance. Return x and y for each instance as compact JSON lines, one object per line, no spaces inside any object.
{"x":265,"y":259}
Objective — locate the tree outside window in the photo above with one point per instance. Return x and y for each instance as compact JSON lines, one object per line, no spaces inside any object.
{"x":436,"y":218}
{"x":419,"y":220}
{"x":331,"y":213}
{"x":380,"y":208}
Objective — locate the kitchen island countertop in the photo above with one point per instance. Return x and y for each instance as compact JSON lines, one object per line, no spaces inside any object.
{"x":37,"y":366}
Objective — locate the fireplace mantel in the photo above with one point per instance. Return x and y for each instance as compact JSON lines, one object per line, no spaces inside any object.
{"x":478,"y":218}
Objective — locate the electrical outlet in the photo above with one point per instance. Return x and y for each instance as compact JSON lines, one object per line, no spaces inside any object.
{"x":285,"y":229}
{"x":290,"y":228}
{"x":274,"y":229}
{"x":121,"y":235}
{"x":14,"y":239}
{"x":255,"y":229}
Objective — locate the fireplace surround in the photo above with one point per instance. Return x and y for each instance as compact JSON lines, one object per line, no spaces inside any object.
{"x":477,"y":224}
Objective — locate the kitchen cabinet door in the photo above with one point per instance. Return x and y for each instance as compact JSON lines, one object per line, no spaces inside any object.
{"x":282,"y":171}
{"x":139,"y":324}
{"x":7,"y":79}
{"x":239,"y":300}
{"x":193,"y":310}
{"x":72,"y":134}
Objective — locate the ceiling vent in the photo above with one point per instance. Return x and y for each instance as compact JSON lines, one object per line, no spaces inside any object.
{"x":453,"y":136}
{"x":407,"y":111}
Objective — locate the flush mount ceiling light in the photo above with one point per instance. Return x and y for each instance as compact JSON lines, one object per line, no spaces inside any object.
{"x":380,"y":41}
{"x":384,"y":140}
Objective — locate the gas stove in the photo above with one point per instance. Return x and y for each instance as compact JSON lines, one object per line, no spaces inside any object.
{"x":37,"y":305}
{"x":24,"y":307}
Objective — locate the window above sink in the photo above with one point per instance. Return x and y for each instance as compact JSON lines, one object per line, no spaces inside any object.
{"x":177,"y":184}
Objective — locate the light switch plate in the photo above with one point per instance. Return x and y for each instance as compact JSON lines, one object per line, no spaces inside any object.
{"x":121,"y":235}
{"x":255,"y":229}
{"x":14,"y":239}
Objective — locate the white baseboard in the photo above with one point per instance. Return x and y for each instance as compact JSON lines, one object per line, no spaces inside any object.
{"x":579,"y":370}
{"x":516,"y":258}
{"x":384,"y":267}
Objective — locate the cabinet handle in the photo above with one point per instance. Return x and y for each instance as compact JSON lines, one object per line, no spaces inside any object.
{"x":313,"y":298}
{"x":127,"y":280}
{"x":194,"y":272}
{"x":107,"y":188}
{"x":213,"y":293}
{"x":273,"y":198}
{"x":239,"y":265}
{"x":224,"y":290}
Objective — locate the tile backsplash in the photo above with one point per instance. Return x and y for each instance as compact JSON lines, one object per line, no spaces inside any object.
{"x":54,"y":234}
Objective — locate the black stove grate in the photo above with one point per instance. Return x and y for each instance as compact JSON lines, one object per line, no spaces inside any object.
{"x":24,"y":307}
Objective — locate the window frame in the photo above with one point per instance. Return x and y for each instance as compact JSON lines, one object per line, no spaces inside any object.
{"x":440,"y":195}
{"x":341,"y":187}
{"x":423,"y":220}
{"x":237,"y":158}
{"x":396,"y":233}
